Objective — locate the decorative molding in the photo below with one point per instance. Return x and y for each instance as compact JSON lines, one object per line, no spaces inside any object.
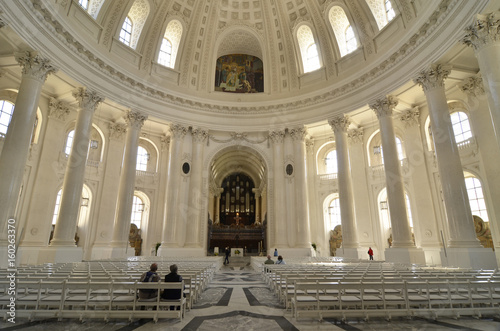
{"x":34,"y":66}
{"x":165,"y":142}
{"x":310,"y":146}
{"x":434,"y":77}
{"x":2,"y":23}
{"x":58,"y":109}
{"x":340,"y":123}
{"x":199,"y":135}
{"x":384,"y":106}
{"x":410,"y":117}
{"x":135,"y":119}
{"x":87,"y":99}
{"x":484,"y":31}
{"x":355,"y":135}
{"x":472,"y":86}
{"x":116,"y":130}
{"x":238,"y":136}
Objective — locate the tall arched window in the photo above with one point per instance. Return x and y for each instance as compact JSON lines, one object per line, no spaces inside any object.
{"x":57,"y":207}
{"x":331,"y":162}
{"x":137,"y":210}
{"x":389,"y":11}
{"x":170,"y":44}
{"x":461,"y":126}
{"x":476,"y":198}
{"x":382,"y":11}
{"x":142,"y":159}
{"x":6,"y":111}
{"x":84,"y":4}
{"x":350,"y":40}
{"x":308,"y":48}
{"x":342,"y":29}
{"x":69,"y":142}
{"x":165,"y":56}
{"x":334,"y":214}
{"x":126,"y":31}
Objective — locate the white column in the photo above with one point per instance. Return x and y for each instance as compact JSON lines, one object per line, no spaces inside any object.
{"x":170,"y":226}
{"x":119,"y":244}
{"x":218,"y":192}
{"x":303,"y":234}
{"x":196,"y":196}
{"x":403,"y":248}
{"x":64,"y":232}
{"x":340,"y":124}
{"x":484,"y":36}
{"x":278,"y":239}
{"x":463,"y":246}
{"x":424,"y":216}
{"x":257,"y":206}
{"x":18,"y":138}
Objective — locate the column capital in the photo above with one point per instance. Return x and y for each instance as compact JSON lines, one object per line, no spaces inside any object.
{"x":484,"y":31}
{"x":34,"y":66}
{"x":410,"y":117}
{"x":165,"y":142}
{"x":384,"y":106}
{"x":309,"y":146}
{"x":116,"y":130}
{"x":433,"y":77}
{"x":340,"y":123}
{"x":298,"y":134}
{"x":277,"y":136}
{"x":199,"y":135}
{"x":87,"y":99}
{"x":472,"y":86}
{"x":58,"y":109}
{"x":177,"y":130}
{"x":135,"y":119}
{"x":355,"y":135}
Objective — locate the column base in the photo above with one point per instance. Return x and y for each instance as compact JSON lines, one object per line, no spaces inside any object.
{"x":181,"y":252}
{"x":60,"y":254}
{"x":353,"y":253}
{"x":406,"y":255}
{"x":475,"y":258}
{"x":100,"y":253}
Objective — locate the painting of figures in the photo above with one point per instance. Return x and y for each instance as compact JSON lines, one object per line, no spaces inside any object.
{"x":239,"y":73}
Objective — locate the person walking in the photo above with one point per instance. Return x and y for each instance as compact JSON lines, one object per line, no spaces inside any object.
{"x":370,"y":253}
{"x":227,"y":251}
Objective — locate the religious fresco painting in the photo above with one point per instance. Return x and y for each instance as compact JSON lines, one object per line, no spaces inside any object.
{"x":239,"y":73}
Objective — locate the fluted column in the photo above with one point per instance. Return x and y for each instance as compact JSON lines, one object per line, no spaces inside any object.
{"x":484,"y":37}
{"x":64,"y":232}
{"x":401,"y":232}
{"x":340,"y":125}
{"x":170,"y":226}
{"x":196,"y":196}
{"x":35,"y":70}
{"x":279,"y":228}
{"x":461,"y":227}
{"x":301,"y":199}
{"x":135,"y":121}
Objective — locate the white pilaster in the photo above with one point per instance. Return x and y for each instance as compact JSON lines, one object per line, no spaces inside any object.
{"x":278,"y":224}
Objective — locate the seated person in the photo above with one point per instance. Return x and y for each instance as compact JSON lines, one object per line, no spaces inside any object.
{"x":280,"y":260}
{"x":269,"y":261}
{"x":172,"y":277}
{"x":147,"y":277}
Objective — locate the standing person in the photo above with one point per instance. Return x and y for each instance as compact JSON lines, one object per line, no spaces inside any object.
{"x":172,"y":294}
{"x":148,"y":277}
{"x":275,"y":252}
{"x":280,"y":260}
{"x":226,"y":260}
{"x":370,"y":253}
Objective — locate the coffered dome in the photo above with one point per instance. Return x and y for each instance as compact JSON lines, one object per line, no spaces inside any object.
{"x":358,"y":51}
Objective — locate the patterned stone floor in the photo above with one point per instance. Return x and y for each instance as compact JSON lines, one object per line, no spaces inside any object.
{"x":238,"y":299}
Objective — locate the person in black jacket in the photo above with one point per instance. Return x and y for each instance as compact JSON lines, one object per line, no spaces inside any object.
{"x":171,"y":294}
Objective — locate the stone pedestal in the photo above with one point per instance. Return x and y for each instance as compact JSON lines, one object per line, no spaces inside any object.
{"x":475,"y":258}
{"x":406,"y":255}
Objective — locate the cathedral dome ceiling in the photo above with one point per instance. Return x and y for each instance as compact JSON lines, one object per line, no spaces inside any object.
{"x":85,"y":46}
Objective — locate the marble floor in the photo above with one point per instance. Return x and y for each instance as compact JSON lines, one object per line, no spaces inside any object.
{"x":238,"y":299}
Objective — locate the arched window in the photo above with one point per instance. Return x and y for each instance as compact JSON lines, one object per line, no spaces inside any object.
{"x":476,"y":198}
{"x":126,"y":31}
{"x":95,"y":7}
{"x":142,"y":159}
{"x":384,"y":212}
{"x":6,"y":111}
{"x":84,"y":4}
{"x":57,"y":207}
{"x":170,"y":44}
{"x":331,"y":162}
{"x":137,"y":210}
{"x":342,"y":29}
{"x":334,"y":214}
{"x":350,"y":40}
{"x":165,"y":56}
{"x":308,"y":49}
{"x":461,"y":126}
{"x":389,"y":11}
{"x":69,"y":142}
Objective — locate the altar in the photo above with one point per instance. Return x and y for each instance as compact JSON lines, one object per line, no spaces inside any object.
{"x":235,"y":249}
